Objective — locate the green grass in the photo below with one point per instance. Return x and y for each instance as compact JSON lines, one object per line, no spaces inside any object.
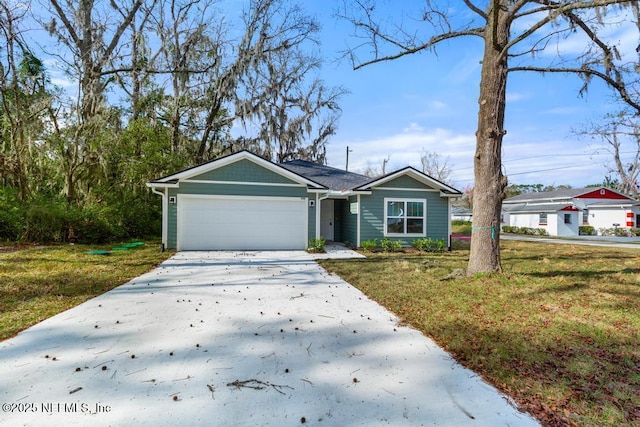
{"x":38,"y":283}
{"x":461,"y":227}
{"x":559,"y":331}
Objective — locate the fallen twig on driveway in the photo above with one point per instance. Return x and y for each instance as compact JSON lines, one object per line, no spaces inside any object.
{"x":258,"y":385}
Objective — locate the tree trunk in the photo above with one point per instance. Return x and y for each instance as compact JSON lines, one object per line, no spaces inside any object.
{"x":489,"y":181}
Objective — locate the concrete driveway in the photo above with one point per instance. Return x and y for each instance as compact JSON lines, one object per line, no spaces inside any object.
{"x":238,"y":339}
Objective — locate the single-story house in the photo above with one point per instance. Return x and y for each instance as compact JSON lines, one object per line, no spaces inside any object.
{"x":562,"y":212}
{"x":461,"y":214}
{"x":244,"y":202}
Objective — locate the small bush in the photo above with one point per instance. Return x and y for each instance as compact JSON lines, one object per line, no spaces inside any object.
{"x":617,"y":231}
{"x":316,"y":245}
{"x":635,"y":231}
{"x":45,"y":223}
{"x":369,"y":245}
{"x":586,"y":230}
{"x":429,"y":245}
{"x":390,"y":245}
{"x":529,"y":231}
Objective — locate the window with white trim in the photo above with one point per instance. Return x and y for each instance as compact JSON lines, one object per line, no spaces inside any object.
{"x":405,"y":217}
{"x":542,"y":219}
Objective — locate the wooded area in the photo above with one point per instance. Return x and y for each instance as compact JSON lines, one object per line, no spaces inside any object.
{"x":151,"y":87}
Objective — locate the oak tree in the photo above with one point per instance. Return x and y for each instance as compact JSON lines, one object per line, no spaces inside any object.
{"x":514,"y":34}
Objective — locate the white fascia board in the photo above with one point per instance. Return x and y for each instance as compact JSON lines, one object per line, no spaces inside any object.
{"x":162,"y":185}
{"x":451,"y":196}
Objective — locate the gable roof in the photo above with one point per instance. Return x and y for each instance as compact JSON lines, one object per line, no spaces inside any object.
{"x":173,"y":179}
{"x":541,"y":208}
{"x":567,"y":193}
{"x":314,"y":175}
{"x":332,"y":178}
{"x":415,"y":174}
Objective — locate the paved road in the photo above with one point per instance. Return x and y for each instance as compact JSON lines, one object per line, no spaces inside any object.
{"x":238,"y":339}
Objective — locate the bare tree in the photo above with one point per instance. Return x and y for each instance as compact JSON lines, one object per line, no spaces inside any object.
{"x":620,"y":134}
{"x":375,"y":172}
{"x":435,"y":166}
{"x":514,"y":35}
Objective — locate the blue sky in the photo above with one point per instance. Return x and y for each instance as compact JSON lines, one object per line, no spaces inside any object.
{"x":426,"y":102}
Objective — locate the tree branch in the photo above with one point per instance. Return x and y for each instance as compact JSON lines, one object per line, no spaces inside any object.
{"x":475,"y":8}
{"x":431,"y":43}
{"x":614,"y":84}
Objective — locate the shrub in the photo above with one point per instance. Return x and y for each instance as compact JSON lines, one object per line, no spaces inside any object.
{"x":390,"y":245}
{"x":45,"y":223}
{"x":508,"y":229}
{"x":11,"y":215}
{"x":586,"y":230}
{"x":429,"y":245}
{"x":369,"y":245}
{"x":617,"y":231}
{"x":635,"y":231}
{"x":316,"y":245}
{"x":525,"y":230}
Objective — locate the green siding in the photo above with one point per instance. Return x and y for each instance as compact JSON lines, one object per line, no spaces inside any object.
{"x":372,"y":214}
{"x":403,"y":181}
{"x":348,"y":221}
{"x":243,"y":171}
{"x":232,"y":190}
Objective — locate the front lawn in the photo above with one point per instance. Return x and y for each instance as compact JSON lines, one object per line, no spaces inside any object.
{"x":38,"y":283}
{"x":559,"y":331}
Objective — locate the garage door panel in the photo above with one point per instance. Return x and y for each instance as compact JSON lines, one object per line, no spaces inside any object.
{"x":220,"y":223}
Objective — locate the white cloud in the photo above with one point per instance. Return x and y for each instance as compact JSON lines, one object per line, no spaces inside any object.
{"x":516,"y":96}
{"x":404,"y":149}
{"x":550,"y":162}
{"x":413,"y":127}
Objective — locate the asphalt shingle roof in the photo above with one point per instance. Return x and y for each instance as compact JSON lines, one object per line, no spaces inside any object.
{"x":564,"y":193}
{"x":333,"y":178}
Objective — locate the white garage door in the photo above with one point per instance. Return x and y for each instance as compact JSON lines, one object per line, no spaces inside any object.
{"x":241,"y":223}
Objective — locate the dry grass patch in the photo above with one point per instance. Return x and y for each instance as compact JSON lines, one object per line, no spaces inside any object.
{"x":559,"y":331}
{"x":38,"y":283}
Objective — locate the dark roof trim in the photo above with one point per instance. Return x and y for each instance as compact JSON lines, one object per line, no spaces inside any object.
{"x":174,"y":178}
{"x":415,"y":174}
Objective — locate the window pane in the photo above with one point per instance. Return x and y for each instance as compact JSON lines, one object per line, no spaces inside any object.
{"x":415,"y":226}
{"x":395,"y":208}
{"x":395,"y":225}
{"x":415,"y":209}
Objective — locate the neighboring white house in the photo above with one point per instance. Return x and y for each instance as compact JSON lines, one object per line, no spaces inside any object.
{"x":461,"y":214}
{"x":562,"y":212}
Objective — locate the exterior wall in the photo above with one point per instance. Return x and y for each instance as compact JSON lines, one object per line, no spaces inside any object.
{"x":348,"y":221}
{"x":527,"y":220}
{"x":555,"y":222}
{"x":605,"y":218}
{"x":258,"y":189}
{"x":372,"y":210}
{"x":568,"y":229}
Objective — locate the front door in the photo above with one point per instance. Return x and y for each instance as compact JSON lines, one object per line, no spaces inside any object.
{"x":326,"y":219}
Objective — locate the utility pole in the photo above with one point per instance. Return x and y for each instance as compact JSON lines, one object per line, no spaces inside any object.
{"x":347,"y":165}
